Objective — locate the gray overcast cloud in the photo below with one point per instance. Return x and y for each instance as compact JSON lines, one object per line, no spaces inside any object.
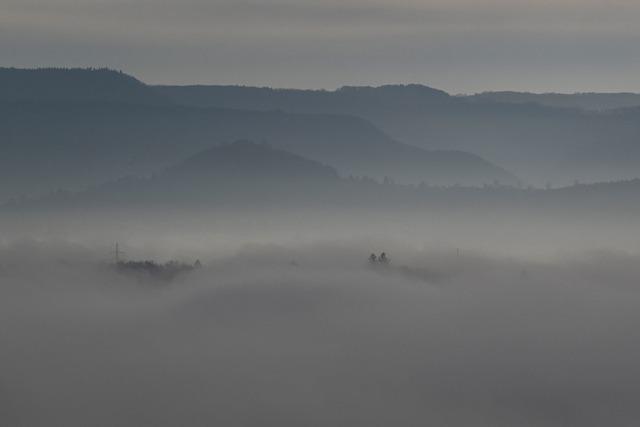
{"x":457,"y":45}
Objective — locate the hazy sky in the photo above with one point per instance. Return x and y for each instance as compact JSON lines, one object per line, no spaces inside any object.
{"x":457,"y":45}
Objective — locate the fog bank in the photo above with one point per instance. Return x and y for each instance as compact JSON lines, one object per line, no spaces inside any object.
{"x":312,"y":335}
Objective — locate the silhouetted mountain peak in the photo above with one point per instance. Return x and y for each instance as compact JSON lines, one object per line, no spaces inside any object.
{"x":244,"y":159}
{"x":74,"y":85}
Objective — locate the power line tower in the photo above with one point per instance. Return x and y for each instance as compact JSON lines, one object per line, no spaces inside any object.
{"x":117,"y":253}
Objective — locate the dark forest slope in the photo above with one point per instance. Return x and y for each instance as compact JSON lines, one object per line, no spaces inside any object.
{"x":82,"y":86}
{"x":49,"y":143}
{"x":539,"y":143}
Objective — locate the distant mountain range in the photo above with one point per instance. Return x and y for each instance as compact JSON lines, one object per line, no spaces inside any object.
{"x":527,"y":134}
{"x":245,"y":175}
{"x":585,"y":101}
{"x":68,"y":129}
{"x":72,"y":128}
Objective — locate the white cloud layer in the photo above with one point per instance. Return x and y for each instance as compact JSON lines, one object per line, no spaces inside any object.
{"x":252,"y":340}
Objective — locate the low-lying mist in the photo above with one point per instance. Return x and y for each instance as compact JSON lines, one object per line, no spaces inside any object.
{"x":312,"y":334}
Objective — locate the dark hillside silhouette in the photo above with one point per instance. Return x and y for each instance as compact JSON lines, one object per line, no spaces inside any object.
{"x":348,"y":99}
{"x":53,"y":85}
{"x":242,"y":173}
{"x":69,"y":145}
{"x":537,"y":142}
{"x":246,"y":160}
{"x":586,"y":101}
{"x":254,"y":177}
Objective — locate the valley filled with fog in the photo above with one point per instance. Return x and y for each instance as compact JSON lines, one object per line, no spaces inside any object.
{"x":285,"y":334}
{"x":193,"y":255}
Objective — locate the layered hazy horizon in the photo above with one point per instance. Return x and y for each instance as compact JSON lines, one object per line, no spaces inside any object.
{"x":446,"y":234}
{"x":461,"y":46}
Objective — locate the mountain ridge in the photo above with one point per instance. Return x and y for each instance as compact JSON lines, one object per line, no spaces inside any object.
{"x":539,"y":143}
{"x":235,"y":176}
{"x":74,"y":144}
{"x":75,"y":85}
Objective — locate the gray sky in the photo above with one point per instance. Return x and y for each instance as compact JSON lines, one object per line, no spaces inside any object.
{"x":456,"y":45}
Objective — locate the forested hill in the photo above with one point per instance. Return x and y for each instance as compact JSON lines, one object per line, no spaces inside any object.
{"x":587,"y":101}
{"x":348,"y":99}
{"x":529,"y":135}
{"x":75,"y":85}
{"x":247,"y":175}
{"x":75,"y":128}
